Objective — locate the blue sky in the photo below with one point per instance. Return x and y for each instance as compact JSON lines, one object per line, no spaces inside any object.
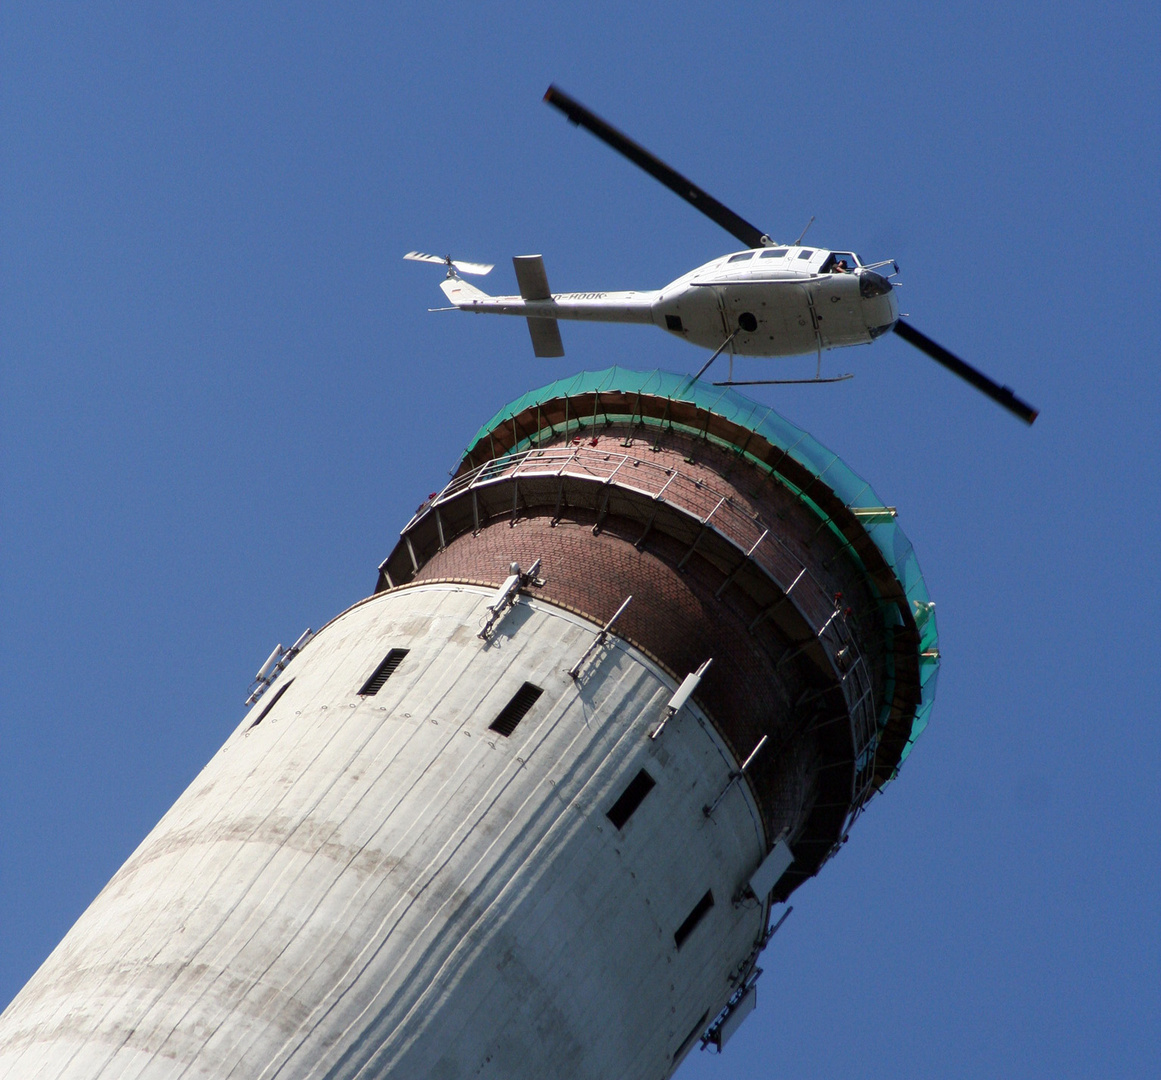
{"x":221,"y":396}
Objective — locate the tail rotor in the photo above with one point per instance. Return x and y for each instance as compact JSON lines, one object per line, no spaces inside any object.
{"x":453,"y":265}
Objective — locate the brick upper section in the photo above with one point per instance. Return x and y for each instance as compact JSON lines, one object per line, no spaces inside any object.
{"x":762,"y":682}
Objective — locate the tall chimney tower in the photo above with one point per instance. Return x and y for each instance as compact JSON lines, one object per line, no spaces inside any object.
{"x":524,"y":812}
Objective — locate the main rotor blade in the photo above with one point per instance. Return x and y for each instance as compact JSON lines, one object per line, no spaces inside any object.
{"x":1002,"y":395}
{"x":750,"y":235}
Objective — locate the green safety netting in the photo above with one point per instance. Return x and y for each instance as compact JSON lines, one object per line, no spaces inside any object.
{"x":851,"y":488}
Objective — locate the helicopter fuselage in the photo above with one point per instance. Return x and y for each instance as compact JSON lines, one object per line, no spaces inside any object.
{"x":775,"y":301}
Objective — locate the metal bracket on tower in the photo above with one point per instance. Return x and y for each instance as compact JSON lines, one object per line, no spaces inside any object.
{"x":507,"y":595}
{"x":275,"y":662}
{"x":684,"y":691}
{"x":875,"y":515}
{"x":742,"y":1002}
{"x":387,"y":573}
{"x":735,"y":777}
{"x":745,"y":997}
{"x":601,"y":638}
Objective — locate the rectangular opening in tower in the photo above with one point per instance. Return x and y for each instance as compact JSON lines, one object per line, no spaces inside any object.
{"x":631,"y":798}
{"x":516,"y":709}
{"x":383,"y":672}
{"x":693,"y":918}
{"x":272,"y":702}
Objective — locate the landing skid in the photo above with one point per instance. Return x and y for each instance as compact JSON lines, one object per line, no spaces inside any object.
{"x":782,"y":382}
{"x":762,"y":382}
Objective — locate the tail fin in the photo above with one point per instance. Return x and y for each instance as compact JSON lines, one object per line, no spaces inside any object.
{"x":460,"y":293}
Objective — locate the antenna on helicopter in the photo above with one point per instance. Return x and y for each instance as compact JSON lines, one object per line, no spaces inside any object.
{"x":804,"y":231}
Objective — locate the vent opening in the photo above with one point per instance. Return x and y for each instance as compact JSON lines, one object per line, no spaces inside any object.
{"x":271,"y":703}
{"x":383,"y":672}
{"x":693,"y":918}
{"x":631,"y":798}
{"x":515,"y":710}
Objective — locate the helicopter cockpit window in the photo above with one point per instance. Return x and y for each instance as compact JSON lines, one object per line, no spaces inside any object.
{"x":743,"y":257}
{"x":806,"y":253}
{"x":840,"y":262}
{"x":773,"y":253}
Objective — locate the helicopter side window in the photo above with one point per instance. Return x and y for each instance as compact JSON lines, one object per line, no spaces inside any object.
{"x":839,"y":262}
{"x":743,"y":257}
{"x":773,"y":253}
{"x":805,"y":254}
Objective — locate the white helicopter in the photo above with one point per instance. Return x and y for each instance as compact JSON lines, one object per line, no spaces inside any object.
{"x":768,"y":300}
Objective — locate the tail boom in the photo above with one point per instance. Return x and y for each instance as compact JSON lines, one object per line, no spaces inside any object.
{"x":618,"y":307}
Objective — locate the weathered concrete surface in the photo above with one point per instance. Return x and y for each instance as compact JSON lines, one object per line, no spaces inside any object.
{"x":381,"y":886}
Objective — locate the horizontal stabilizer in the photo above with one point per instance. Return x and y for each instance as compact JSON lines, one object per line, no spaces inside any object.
{"x":545,"y":337}
{"x":531,"y":277}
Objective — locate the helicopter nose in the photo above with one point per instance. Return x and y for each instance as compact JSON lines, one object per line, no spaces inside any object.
{"x":872,"y":285}
{"x":880,"y":309}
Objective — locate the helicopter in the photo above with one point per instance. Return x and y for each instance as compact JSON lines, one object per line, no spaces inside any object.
{"x":768,"y":300}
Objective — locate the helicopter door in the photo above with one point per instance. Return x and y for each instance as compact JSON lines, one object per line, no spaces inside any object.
{"x":792,"y":324}
{"x":772,"y":321}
